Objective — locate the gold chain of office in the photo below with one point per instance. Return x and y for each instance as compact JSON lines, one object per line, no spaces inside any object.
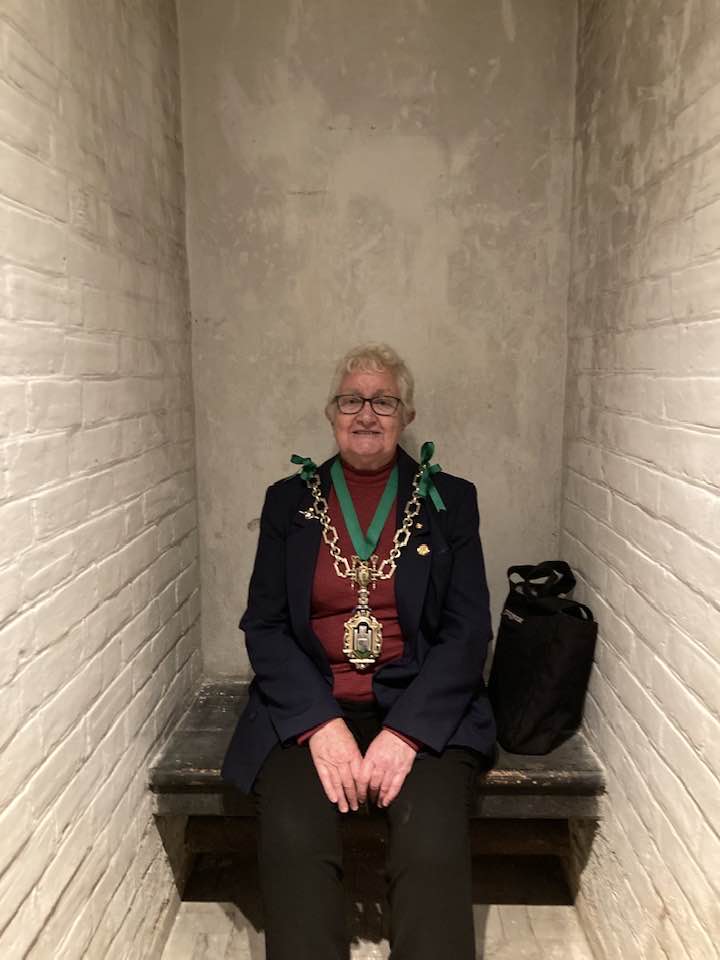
{"x":362,"y":642}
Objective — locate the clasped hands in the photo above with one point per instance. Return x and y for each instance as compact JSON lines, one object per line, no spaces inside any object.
{"x":347,"y":777}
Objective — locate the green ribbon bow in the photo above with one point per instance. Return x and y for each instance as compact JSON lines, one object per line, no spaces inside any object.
{"x":427,"y":484}
{"x":308,"y":469}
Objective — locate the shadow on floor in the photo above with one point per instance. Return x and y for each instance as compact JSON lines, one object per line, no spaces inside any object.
{"x":231,"y":883}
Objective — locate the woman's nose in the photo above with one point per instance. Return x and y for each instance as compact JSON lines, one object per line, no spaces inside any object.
{"x":367,"y":414}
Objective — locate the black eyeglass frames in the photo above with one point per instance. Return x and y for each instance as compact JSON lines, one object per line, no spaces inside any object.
{"x":382,"y":406}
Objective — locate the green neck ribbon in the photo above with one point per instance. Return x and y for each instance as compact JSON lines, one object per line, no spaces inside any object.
{"x":427,"y":484}
{"x":364,"y":543}
{"x":426,"y":487}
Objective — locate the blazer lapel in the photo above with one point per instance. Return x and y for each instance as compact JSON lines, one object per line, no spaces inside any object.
{"x":303,"y":543}
{"x":413,"y":566}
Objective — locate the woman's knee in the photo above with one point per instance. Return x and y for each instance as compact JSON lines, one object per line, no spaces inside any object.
{"x":297,"y":822}
{"x":429,"y":821}
{"x":293,"y":832}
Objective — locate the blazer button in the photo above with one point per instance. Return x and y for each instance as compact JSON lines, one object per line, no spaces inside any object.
{"x":253,"y":715}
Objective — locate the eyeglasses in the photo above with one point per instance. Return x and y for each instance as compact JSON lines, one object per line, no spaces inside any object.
{"x":382,"y":406}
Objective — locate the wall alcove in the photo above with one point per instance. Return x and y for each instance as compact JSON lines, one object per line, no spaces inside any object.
{"x":201,"y":206}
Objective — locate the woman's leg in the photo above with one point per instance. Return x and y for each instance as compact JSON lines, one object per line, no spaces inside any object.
{"x":300,"y":859}
{"x":429,"y":862}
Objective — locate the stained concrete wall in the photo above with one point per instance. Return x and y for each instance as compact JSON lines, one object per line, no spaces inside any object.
{"x":395,"y":171}
{"x":641,"y":512}
{"x":99,"y":637}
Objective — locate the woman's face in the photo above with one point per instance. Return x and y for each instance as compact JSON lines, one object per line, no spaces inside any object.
{"x":365,"y":440}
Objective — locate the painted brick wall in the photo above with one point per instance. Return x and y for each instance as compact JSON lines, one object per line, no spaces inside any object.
{"x":641,"y":511}
{"x":99,"y":596}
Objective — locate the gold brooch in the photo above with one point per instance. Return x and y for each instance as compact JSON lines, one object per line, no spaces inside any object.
{"x":423,"y":549}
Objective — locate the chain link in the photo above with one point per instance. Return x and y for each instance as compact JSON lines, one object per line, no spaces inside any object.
{"x":343,"y":567}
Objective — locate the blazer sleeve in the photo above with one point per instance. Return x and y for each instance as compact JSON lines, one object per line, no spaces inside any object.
{"x":435,"y":701}
{"x":297,"y":694}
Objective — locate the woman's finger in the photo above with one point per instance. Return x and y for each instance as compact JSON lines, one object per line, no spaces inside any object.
{"x":384,"y":785}
{"x":366,"y":767}
{"x":360,"y":785}
{"x":348,"y":782}
{"x":388,"y":794}
{"x":339,"y":790}
{"x":363,"y":779}
{"x":376,"y":779}
{"x":326,"y":781}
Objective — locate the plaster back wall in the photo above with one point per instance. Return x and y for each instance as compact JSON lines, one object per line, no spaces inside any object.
{"x":376,"y":171}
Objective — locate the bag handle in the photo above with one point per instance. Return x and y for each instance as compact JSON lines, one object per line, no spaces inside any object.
{"x":557,"y":575}
{"x":572,"y":607}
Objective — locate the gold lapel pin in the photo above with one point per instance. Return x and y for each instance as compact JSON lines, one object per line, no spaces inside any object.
{"x":423,"y":549}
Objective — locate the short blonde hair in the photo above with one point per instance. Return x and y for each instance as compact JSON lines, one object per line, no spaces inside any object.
{"x":376,"y":357}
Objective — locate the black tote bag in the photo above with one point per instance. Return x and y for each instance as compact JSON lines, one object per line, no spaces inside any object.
{"x":543,"y":656}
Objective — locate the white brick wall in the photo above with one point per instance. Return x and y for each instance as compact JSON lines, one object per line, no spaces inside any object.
{"x":641,"y":511}
{"x":99,"y":604}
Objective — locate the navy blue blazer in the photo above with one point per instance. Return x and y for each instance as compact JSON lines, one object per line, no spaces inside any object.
{"x":434,"y":692}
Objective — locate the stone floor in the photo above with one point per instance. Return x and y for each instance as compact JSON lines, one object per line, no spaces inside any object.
{"x":523,"y":911}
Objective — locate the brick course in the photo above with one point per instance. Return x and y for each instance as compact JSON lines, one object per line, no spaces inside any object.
{"x":99,"y":603}
{"x":641,"y":512}
{"x":99,"y":600}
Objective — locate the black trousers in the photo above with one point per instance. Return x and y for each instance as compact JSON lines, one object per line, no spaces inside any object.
{"x":428,"y":867}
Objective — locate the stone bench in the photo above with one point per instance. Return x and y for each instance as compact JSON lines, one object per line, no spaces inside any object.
{"x":524,"y":803}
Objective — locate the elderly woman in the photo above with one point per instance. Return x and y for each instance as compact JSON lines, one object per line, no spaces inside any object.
{"x":367,"y":627}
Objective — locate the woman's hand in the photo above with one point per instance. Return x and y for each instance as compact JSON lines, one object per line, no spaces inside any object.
{"x":337,"y":759}
{"x":387,"y":762}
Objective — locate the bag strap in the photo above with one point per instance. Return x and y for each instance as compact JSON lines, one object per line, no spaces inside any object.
{"x":563,"y":605}
{"x":557,"y":575}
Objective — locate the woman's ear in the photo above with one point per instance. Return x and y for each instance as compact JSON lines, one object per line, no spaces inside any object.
{"x":409,"y":418}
